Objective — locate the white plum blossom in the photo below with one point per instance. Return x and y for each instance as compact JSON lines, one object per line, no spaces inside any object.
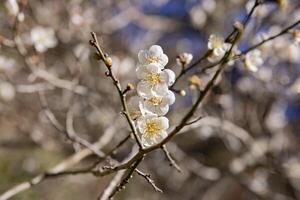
{"x":253,"y":60}
{"x":218,"y":48}
{"x":43,"y":38}
{"x":154,"y":96}
{"x":154,"y":55}
{"x":152,"y":129}
{"x":153,"y":79}
{"x":159,"y":104}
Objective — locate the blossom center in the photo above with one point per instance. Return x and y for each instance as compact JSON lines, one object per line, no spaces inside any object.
{"x":150,"y":127}
{"x":152,"y":59}
{"x":217,"y":43}
{"x":155,"y":100}
{"x":40,"y":39}
{"x":153,"y":78}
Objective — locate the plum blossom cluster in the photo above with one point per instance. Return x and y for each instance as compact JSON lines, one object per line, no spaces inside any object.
{"x":153,"y":98}
{"x":218,"y":48}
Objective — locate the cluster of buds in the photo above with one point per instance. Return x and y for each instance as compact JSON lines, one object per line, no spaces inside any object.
{"x":153,"y":98}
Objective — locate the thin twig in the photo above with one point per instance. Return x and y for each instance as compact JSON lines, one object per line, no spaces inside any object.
{"x":171,"y":160}
{"x":147,"y":177}
{"x":126,"y":178}
{"x":284,"y":31}
{"x":207,"y":53}
{"x":94,"y":42}
{"x":194,"y":121}
{"x":70,"y":136}
{"x":112,"y":185}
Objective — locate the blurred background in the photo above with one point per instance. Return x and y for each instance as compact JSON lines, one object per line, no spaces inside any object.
{"x":245,"y":147}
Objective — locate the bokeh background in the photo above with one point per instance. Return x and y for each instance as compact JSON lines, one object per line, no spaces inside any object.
{"x":245,"y":147}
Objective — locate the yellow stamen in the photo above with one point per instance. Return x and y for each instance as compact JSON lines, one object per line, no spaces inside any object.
{"x":153,"y":78}
{"x":155,"y":100}
{"x":152,"y":59}
{"x":151,"y":127}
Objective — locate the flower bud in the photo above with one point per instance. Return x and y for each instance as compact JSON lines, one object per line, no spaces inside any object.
{"x":195,"y":82}
{"x":184,"y":59}
{"x":128,"y":88}
{"x":108,"y":61}
{"x":182,"y":93}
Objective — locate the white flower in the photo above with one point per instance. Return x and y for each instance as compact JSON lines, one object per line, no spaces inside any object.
{"x":7,"y":91}
{"x":155,"y":55}
{"x":153,"y":79}
{"x":6,"y":64}
{"x":218,"y":47}
{"x":253,"y":60}
{"x":159,"y":104}
{"x":43,"y":38}
{"x":152,"y":129}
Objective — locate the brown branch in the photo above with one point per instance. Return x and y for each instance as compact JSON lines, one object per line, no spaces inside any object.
{"x":126,"y":178}
{"x":229,"y":38}
{"x":284,"y":31}
{"x":147,"y":177}
{"x":132,"y":163}
{"x":171,"y":160}
{"x":94,"y":42}
{"x":72,"y":137}
{"x":194,"y":121}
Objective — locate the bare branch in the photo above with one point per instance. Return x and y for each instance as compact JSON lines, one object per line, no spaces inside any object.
{"x":147,"y":177}
{"x":171,"y":160}
{"x":117,"y":84}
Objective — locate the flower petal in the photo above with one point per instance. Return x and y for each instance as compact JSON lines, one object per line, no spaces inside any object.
{"x":162,"y":110}
{"x":155,"y":50}
{"x":153,"y":68}
{"x":163,"y":123}
{"x":161,"y":89}
{"x":142,"y":56}
{"x":163,"y":60}
{"x":169,"y":99}
{"x":170,"y":76}
{"x":141,"y":72}
{"x":219,"y":52}
{"x":144,"y":89}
